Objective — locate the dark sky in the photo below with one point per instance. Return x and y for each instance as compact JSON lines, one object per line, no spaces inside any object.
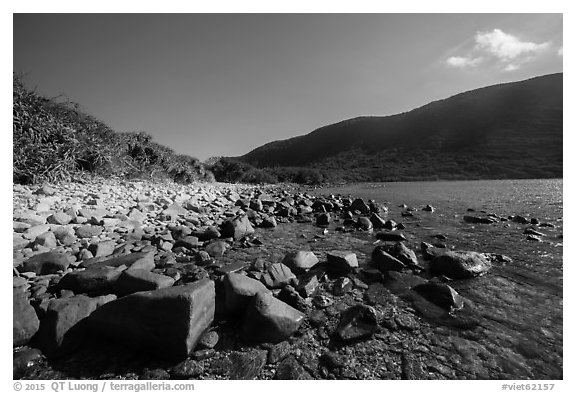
{"x":223,"y":84}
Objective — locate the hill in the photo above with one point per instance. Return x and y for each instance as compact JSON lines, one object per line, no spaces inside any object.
{"x":54,"y":141}
{"x":511,"y":130}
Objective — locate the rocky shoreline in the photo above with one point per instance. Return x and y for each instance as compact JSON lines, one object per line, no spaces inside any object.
{"x":141,"y":280}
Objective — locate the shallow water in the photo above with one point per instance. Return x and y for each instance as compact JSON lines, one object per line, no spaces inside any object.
{"x":521,"y":302}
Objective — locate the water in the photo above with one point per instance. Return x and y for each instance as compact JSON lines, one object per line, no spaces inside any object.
{"x":520,"y":302}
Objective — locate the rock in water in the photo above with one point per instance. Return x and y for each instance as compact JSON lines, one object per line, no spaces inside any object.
{"x":460,"y":264}
{"x":45,"y":263}
{"x":440,"y":294}
{"x":63,"y":328}
{"x":384,"y":261}
{"x":300,"y":261}
{"x":166,"y":322}
{"x":237,"y":228}
{"x":270,"y":320}
{"x":24,"y":320}
{"x":239,"y":291}
{"x":357,"y":322}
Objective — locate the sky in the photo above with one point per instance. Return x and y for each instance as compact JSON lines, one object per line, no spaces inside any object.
{"x":223,"y":84}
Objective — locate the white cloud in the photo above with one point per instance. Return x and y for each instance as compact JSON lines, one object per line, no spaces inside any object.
{"x":504,"y":51}
{"x":511,"y":67}
{"x":461,"y":62}
{"x":561,"y":51}
{"x":506,"y":46}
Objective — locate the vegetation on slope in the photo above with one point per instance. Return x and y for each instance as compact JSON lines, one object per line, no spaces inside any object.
{"x":55,"y":141}
{"x":512,"y":130}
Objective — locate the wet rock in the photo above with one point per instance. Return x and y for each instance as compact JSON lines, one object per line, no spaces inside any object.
{"x":377,"y":221}
{"x":216,"y":248}
{"x":166,"y":322}
{"x":390,"y":237}
{"x":291,"y":369}
{"x":25,"y":323}
{"x":237,"y":228}
{"x":300,"y":261}
{"x":440,"y":294}
{"x":360,"y":206}
{"x":187,"y":369}
{"x":93,"y":281}
{"x":532,"y":231}
{"x":479,"y":220}
{"x":384,"y":261}
{"x":533,"y":238}
{"x":519,"y":219}
{"x":460,"y":264}
{"x":277,"y":276}
{"x":239,"y":291}
{"x":357,"y":322}
{"x":323,"y":219}
{"x":246,"y":365}
{"x":428,"y":208}
{"x":23,"y":360}
{"x":341,"y":262}
{"x":45,"y":263}
{"x":403,"y":254}
{"x":270,"y":320}
{"x":137,"y":280}
{"x":364,"y":223}
{"x":63,"y":328}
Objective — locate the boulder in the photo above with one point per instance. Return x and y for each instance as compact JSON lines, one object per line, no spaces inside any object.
{"x":239,"y":291}
{"x":364,"y":223}
{"x":277,"y":275}
{"x":384,"y":261}
{"x":246,"y":365}
{"x":63,"y":328}
{"x":361,"y":206}
{"x":166,"y":322}
{"x":25,"y":323}
{"x":403,"y":254}
{"x":300,"y":261}
{"x":441,"y":294}
{"x":59,"y":218}
{"x":357,"y":322}
{"x":390,"y":237}
{"x":131,"y":281}
{"x":460,"y":264}
{"x":270,"y":320}
{"x":45,"y":263}
{"x":216,"y":248}
{"x":102,"y":249}
{"x":94,"y":281}
{"x":290,"y":369}
{"x":377,"y":221}
{"x":341,"y":262}
{"x":323,"y":219}
{"x":88,"y":231}
{"x":135,"y":260}
{"x":237,"y":228}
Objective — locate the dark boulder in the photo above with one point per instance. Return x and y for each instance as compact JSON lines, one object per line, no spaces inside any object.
{"x":357,"y":322}
{"x":460,"y":264}
{"x":440,"y":294}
